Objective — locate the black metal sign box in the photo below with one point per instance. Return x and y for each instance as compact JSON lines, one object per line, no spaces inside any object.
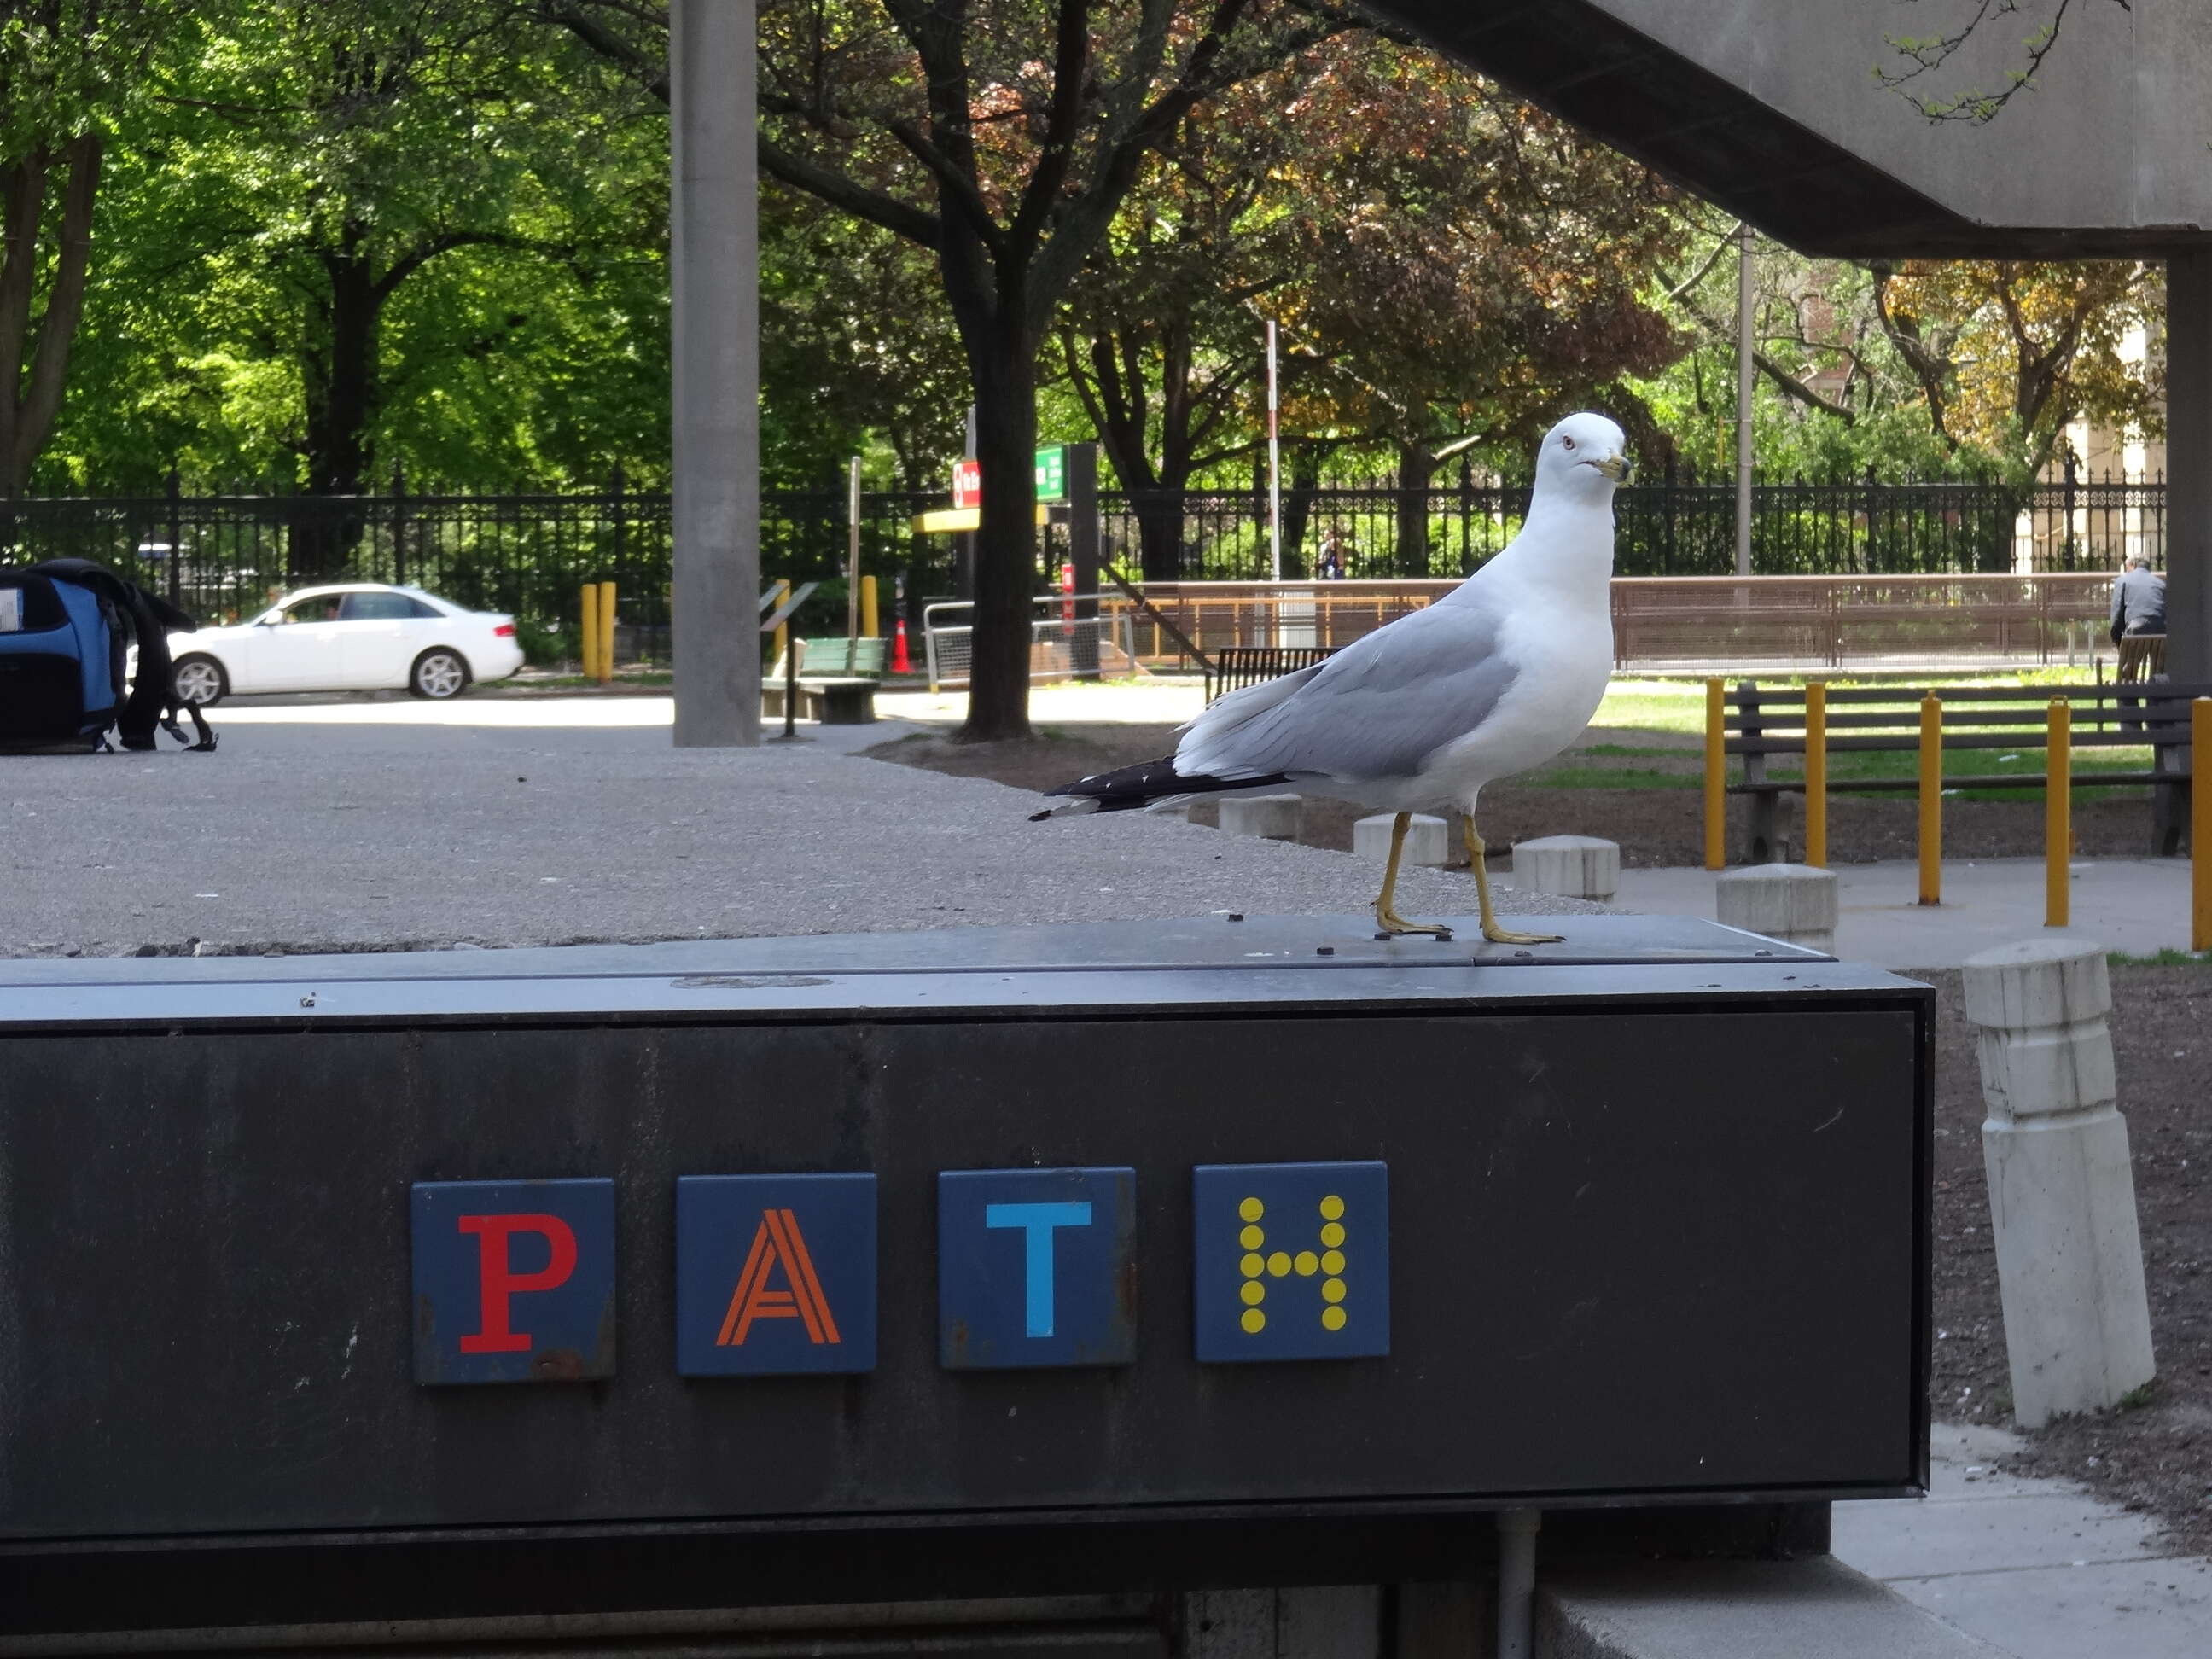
{"x":1655,"y":1227}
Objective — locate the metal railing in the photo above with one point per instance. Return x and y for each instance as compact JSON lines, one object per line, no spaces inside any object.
{"x":1682,"y":623}
{"x":222,"y":554}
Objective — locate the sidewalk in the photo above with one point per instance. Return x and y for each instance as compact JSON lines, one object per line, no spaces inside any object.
{"x":2137,"y":906}
{"x":2038,"y":1568}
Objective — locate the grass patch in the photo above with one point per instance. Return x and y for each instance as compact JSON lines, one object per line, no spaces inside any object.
{"x":1634,"y":752}
{"x":1608,"y":777}
{"x":2165,"y":959}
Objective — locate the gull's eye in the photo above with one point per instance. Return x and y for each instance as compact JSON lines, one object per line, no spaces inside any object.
{"x":1566,"y":442}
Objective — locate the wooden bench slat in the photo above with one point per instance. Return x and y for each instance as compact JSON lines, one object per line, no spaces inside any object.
{"x":1793,"y":731}
{"x":1901,"y":744}
{"x":1955,"y":696}
{"x":1981,"y":780}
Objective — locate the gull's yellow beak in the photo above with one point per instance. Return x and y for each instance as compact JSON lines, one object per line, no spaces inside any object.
{"x":1617,"y":467}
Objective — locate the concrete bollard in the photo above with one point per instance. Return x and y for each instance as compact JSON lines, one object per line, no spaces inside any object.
{"x":1428,"y":840}
{"x":1273,"y":817}
{"x":2061,"y":1191}
{"x":1793,"y":903}
{"x":1578,"y":866}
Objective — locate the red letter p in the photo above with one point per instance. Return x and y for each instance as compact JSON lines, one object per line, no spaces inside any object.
{"x":497,"y":1282}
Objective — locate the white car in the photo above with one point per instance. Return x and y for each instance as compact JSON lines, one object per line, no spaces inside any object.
{"x":349,"y":636}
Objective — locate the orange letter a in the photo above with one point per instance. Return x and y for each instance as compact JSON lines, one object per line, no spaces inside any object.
{"x":779,"y":1244}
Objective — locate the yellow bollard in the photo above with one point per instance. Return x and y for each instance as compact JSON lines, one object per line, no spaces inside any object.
{"x":588,"y":643}
{"x":1716,"y":777}
{"x":606,"y":632}
{"x":782,"y":628}
{"x":2058,"y":818}
{"x":869,"y":630}
{"x":1816,"y":775}
{"x":1931,"y":800}
{"x":2200,"y":826}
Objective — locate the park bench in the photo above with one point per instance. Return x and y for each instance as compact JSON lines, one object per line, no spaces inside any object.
{"x":1236,"y":666}
{"x":837,"y":684}
{"x":1760,"y":722}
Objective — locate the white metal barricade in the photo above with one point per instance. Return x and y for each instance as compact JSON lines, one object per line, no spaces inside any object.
{"x":1061,"y":647}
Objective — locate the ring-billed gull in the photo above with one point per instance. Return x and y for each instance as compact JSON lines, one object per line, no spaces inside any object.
{"x":1498,"y":676}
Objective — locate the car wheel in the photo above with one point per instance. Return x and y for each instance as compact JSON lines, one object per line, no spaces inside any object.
{"x":199,"y":680}
{"x":438,"y":675}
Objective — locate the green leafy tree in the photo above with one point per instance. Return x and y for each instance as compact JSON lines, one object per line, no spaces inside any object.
{"x":69,"y":71}
{"x":1452,"y":270}
{"x":1002,"y":136}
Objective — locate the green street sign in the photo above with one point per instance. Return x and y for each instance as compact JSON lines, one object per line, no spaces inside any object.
{"x":1052,"y":474}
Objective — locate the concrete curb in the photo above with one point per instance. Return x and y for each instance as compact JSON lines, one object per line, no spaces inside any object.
{"x":1817,"y":1608}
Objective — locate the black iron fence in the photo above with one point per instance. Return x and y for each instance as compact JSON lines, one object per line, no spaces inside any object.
{"x":226,"y":555}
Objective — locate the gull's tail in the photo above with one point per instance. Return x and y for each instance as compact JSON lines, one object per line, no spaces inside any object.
{"x":1145,"y":784}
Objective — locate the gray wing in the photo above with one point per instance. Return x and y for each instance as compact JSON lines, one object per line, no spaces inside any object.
{"x":1377,"y":708}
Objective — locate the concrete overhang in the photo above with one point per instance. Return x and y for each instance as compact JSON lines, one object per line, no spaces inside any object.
{"x":1772,"y":109}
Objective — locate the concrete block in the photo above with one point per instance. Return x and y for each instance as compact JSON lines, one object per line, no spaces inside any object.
{"x":1428,"y":840}
{"x":1793,"y":902}
{"x":1339,"y":1621}
{"x":1579,"y":866}
{"x":1274,"y":818}
{"x":2061,"y":1191}
{"x":1816,"y":1609}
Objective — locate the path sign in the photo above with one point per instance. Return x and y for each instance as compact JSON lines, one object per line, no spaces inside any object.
{"x":515,"y":1280}
{"x":1033,"y":1268}
{"x":775,"y":1275}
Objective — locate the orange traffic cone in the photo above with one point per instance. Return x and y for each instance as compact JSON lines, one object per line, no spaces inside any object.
{"x":901,"y":663}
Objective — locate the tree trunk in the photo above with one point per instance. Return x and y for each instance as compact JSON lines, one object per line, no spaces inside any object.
{"x":341,"y":384}
{"x":1003,"y":362}
{"x":29,"y":403}
{"x":342,"y":376}
{"x":1304,"y":468}
{"x":1416,"y":468}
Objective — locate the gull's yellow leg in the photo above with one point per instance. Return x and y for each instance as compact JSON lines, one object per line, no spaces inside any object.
{"x":1491,"y":930}
{"x":1386,"y":906}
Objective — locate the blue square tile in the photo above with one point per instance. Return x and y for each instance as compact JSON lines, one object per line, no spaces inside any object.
{"x":515,"y":1280}
{"x":776,"y":1274}
{"x":1034,"y":1267}
{"x":1292,"y":1260}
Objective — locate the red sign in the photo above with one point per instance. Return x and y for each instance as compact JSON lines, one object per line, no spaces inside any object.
{"x":967,"y":483}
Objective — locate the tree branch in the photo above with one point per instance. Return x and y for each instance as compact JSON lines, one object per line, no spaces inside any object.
{"x":857,"y":200}
{"x":1071,"y":61}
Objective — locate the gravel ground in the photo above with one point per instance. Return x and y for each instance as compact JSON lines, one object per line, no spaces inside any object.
{"x":359,"y":825}
{"x":1656,"y":828}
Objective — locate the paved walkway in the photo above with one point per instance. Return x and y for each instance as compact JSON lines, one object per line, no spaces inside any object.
{"x":344,"y":824}
{"x":2038,"y":1568}
{"x":2138,"y":906}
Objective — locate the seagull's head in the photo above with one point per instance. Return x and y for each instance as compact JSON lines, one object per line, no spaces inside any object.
{"x":1584,"y":456}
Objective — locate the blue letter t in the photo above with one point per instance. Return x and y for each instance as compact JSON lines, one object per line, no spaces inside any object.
{"x":1038,"y":1222}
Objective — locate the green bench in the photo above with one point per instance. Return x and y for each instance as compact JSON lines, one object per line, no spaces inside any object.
{"x":836,"y":681}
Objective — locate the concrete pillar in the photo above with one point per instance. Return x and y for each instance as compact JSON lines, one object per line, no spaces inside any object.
{"x":2062,"y":1193}
{"x":2189,"y":465}
{"x":1428,"y":840}
{"x":1275,"y":817}
{"x":1578,"y":867}
{"x":1793,"y":903}
{"x":715,"y":348}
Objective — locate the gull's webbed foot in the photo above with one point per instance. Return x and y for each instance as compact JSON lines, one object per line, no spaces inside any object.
{"x":1394,"y":926}
{"x":1387,"y":918}
{"x":1491,"y":930}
